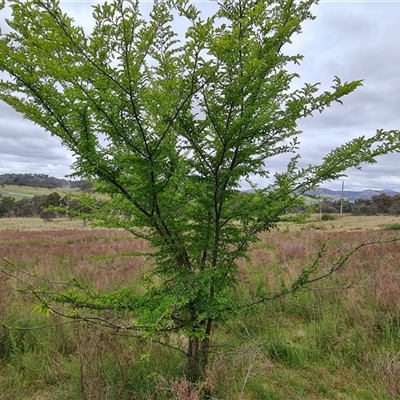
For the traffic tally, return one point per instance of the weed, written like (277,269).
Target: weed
(392,227)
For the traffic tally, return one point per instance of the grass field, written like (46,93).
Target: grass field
(346,223)
(38,224)
(20,192)
(339,339)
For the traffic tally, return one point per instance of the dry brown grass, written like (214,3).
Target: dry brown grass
(345,223)
(38,224)
(104,258)
(109,258)
(113,258)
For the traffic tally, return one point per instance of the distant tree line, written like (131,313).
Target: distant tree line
(46,207)
(32,207)
(380,204)
(54,205)
(42,181)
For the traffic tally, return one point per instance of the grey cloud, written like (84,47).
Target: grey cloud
(32,148)
(350,40)
(383,175)
(27,148)
(11,164)
(354,41)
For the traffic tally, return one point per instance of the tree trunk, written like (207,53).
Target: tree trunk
(198,353)
(193,363)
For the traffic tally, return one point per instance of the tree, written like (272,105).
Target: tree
(84,185)
(36,202)
(382,202)
(328,207)
(6,206)
(18,206)
(26,210)
(47,215)
(169,128)
(48,205)
(394,209)
(364,207)
(73,208)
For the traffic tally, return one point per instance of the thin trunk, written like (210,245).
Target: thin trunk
(198,354)
(193,363)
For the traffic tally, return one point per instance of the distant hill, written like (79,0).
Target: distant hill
(351,195)
(347,194)
(50,182)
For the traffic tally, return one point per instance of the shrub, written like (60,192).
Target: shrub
(328,217)
(393,227)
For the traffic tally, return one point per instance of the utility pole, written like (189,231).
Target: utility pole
(320,209)
(341,199)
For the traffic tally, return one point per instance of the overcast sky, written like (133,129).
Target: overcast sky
(353,40)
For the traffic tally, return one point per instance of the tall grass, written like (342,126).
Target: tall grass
(337,339)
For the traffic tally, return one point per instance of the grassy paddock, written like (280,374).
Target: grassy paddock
(339,339)
(342,223)
(20,192)
(345,223)
(38,224)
